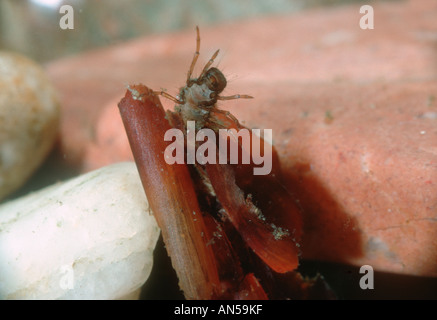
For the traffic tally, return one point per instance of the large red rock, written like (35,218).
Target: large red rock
(353,113)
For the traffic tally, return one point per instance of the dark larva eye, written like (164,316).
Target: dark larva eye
(215,80)
(212,81)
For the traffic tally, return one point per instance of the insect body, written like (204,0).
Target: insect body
(198,99)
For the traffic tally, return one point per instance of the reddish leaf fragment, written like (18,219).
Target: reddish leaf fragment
(274,245)
(261,209)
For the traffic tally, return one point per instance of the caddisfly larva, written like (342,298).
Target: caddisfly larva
(198,98)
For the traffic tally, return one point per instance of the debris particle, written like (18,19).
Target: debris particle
(279,233)
(328,117)
(430,101)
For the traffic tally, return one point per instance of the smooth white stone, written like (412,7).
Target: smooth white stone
(91,237)
(29,117)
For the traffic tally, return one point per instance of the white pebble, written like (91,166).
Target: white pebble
(91,237)
(29,116)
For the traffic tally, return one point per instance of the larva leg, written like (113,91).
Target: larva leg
(229,115)
(210,62)
(235,96)
(168,96)
(196,56)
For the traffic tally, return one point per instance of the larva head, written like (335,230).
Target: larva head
(215,80)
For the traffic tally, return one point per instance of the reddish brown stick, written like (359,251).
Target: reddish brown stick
(170,193)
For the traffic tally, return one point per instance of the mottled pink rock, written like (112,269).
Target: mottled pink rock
(353,113)
(362,159)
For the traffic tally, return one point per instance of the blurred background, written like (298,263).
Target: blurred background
(32,27)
